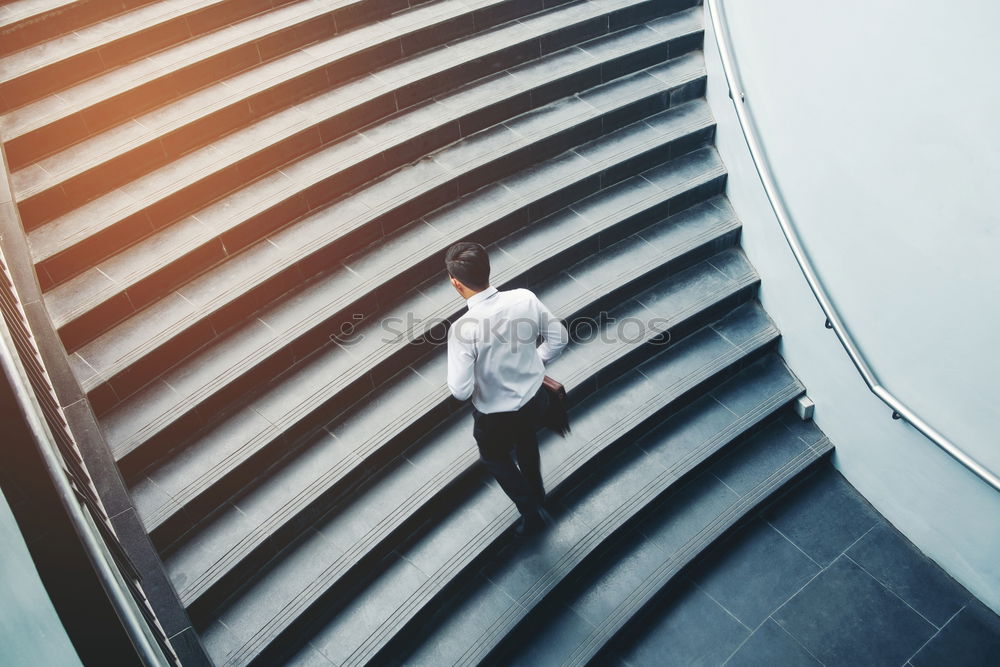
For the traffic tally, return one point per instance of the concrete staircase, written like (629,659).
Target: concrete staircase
(237,211)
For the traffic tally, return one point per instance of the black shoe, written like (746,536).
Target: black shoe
(529,525)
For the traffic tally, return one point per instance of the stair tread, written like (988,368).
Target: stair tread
(119,272)
(313,385)
(69,101)
(205,217)
(527,573)
(70,228)
(426,469)
(96,35)
(123,344)
(642,564)
(151,126)
(667,238)
(137,419)
(93,285)
(368,427)
(15,12)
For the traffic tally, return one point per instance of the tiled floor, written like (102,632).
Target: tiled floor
(818,578)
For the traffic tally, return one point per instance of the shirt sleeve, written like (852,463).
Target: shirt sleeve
(461,360)
(554,334)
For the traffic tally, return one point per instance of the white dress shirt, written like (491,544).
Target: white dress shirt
(492,353)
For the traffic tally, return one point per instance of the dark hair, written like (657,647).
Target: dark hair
(469,264)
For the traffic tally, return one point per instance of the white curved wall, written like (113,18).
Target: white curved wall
(880,125)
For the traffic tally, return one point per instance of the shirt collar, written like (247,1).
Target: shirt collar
(479,297)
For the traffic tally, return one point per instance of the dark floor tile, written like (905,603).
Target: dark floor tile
(365,517)
(676,175)
(970,639)
(616,200)
(770,645)
(492,141)
(754,573)
(886,555)
(845,617)
(297,477)
(216,451)
(823,515)
(617,262)
(690,629)
(533,178)
(590,418)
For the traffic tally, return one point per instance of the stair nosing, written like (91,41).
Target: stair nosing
(731,288)
(107,373)
(242,97)
(70,241)
(737,283)
(24,16)
(158,71)
(678,474)
(626,425)
(469,8)
(78,49)
(288,193)
(376,442)
(619,217)
(810,454)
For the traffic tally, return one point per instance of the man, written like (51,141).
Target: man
(493,359)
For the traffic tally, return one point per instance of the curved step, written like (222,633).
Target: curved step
(332,380)
(25,23)
(60,120)
(286,86)
(73,242)
(160,417)
(683,525)
(302,400)
(139,274)
(133,353)
(59,63)
(429,467)
(594,512)
(201,578)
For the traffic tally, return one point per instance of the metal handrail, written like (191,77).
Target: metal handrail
(833,321)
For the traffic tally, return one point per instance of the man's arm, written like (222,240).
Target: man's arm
(554,334)
(461,360)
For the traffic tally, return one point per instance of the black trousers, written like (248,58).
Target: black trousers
(508,446)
